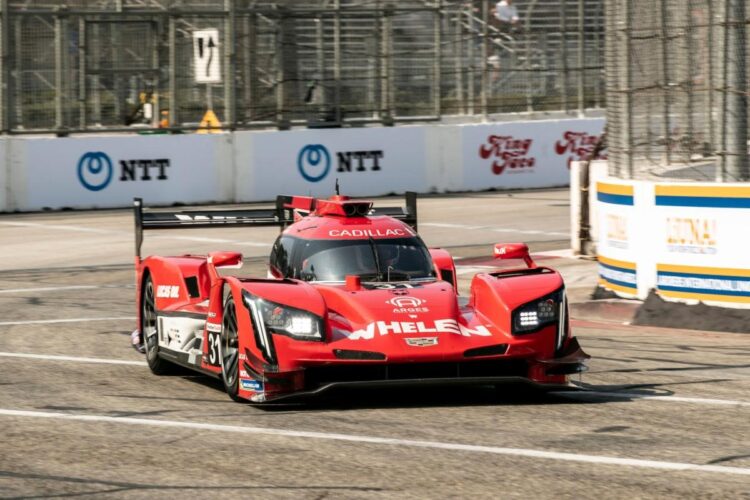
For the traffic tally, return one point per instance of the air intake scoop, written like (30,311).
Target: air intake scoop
(343,206)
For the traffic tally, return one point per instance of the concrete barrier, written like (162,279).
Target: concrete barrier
(687,241)
(108,171)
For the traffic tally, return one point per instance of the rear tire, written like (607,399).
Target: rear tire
(150,330)
(229,351)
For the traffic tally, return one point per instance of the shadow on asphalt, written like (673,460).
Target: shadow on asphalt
(515,394)
(510,394)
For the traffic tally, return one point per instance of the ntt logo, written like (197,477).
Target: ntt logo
(95,170)
(314,162)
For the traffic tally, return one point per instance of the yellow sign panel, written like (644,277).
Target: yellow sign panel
(210,123)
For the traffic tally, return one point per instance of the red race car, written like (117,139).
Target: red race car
(353,298)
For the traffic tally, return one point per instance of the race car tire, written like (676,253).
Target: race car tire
(229,352)
(150,330)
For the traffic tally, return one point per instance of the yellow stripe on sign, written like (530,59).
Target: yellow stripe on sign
(621,189)
(615,262)
(717,271)
(704,296)
(618,288)
(703,191)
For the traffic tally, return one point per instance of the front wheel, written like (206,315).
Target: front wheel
(229,352)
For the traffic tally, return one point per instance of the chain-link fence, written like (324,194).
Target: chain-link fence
(677,89)
(89,65)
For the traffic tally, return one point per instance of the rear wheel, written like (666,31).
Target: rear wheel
(229,352)
(150,329)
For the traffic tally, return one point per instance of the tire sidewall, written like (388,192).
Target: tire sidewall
(232,389)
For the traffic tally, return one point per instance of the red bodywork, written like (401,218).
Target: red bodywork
(373,333)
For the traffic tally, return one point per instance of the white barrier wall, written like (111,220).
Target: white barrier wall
(688,241)
(5,190)
(366,162)
(108,171)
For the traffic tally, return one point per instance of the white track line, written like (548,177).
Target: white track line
(515,452)
(635,395)
(127,234)
(71,320)
(491,228)
(60,227)
(57,288)
(71,358)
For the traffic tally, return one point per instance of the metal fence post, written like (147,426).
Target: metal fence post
(230,41)
(281,122)
(250,74)
(581,81)
(173,117)
(666,84)
(736,91)
(485,50)
(58,72)
(689,64)
(438,41)
(564,51)
(337,59)
(5,67)
(710,75)
(472,60)
(386,55)
(628,129)
(459,62)
(82,73)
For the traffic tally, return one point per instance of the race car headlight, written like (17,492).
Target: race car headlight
(285,320)
(537,314)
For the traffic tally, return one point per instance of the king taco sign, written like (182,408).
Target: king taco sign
(508,153)
(578,146)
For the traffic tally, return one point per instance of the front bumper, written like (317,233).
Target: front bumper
(317,379)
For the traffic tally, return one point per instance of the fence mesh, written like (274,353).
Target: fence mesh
(92,65)
(677,89)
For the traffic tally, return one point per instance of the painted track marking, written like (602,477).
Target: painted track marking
(126,234)
(76,359)
(496,450)
(71,320)
(59,288)
(635,395)
(492,228)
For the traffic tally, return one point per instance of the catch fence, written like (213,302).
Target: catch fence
(677,89)
(106,65)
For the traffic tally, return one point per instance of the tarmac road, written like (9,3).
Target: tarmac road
(666,414)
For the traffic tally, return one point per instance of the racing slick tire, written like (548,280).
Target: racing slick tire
(229,351)
(150,330)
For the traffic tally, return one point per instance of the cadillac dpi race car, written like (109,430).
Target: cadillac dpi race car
(353,298)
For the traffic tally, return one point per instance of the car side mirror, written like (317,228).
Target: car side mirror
(225,259)
(514,251)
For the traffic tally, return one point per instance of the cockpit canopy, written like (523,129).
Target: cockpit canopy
(383,259)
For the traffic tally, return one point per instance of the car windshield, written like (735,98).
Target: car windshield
(395,259)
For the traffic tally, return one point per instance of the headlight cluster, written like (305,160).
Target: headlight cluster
(541,312)
(284,320)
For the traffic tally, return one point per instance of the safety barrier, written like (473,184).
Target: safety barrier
(687,241)
(108,171)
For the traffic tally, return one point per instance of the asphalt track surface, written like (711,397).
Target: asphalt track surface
(666,413)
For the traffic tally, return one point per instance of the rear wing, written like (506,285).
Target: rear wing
(407,214)
(288,210)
